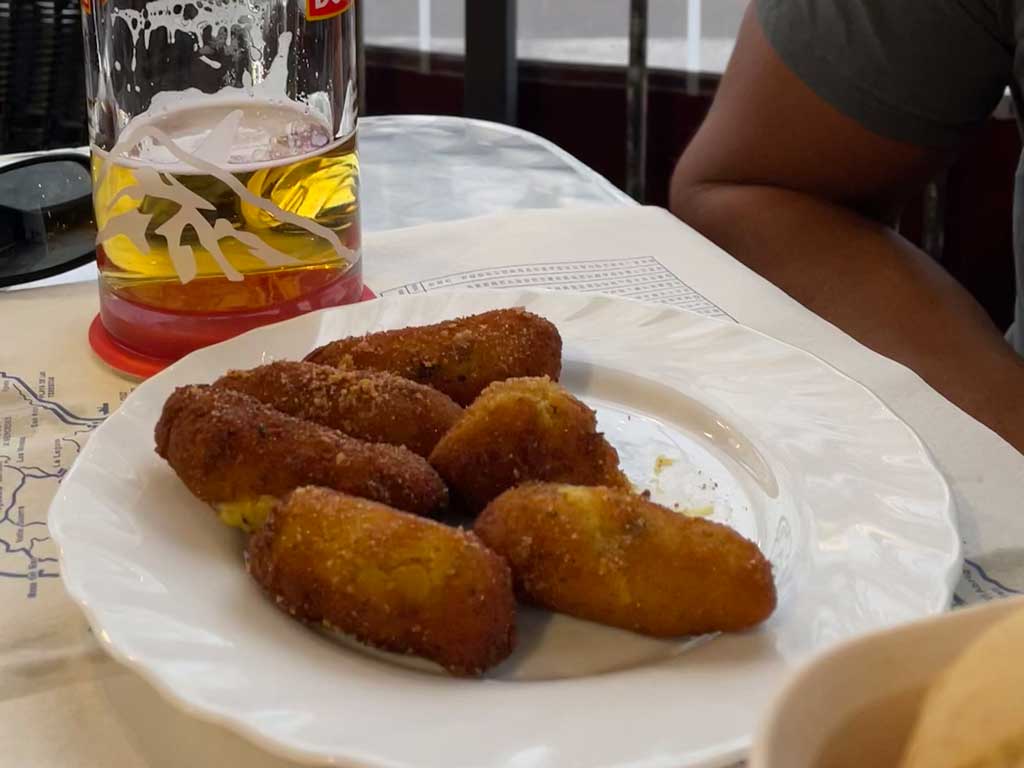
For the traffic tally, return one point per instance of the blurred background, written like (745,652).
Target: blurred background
(571,67)
(588,32)
(560,69)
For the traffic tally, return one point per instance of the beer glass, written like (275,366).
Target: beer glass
(224,164)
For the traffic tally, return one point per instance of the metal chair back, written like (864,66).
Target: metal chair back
(42,83)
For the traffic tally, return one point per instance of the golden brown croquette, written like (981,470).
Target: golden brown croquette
(229,447)
(393,580)
(370,405)
(521,430)
(458,357)
(613,557)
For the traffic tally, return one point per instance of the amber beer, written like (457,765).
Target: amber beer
(266,225)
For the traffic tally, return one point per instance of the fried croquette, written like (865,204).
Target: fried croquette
(613,557)
(229,447)
(370,405)
(458,357)
(521,430)
(393,580)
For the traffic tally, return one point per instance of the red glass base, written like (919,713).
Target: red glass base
(182,333)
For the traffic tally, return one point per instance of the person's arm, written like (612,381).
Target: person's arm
(803,195)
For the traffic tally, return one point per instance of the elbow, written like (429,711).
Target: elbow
(681,192)
(691,198)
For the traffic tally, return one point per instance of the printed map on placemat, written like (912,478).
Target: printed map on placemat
(39,440)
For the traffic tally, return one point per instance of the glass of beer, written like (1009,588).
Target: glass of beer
(225,172)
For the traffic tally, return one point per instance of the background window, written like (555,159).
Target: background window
(571,31)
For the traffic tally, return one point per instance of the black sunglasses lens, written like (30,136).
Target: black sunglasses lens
(46,219)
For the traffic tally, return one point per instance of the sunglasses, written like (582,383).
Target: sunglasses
(47,224)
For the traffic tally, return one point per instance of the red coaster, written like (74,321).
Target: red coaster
(134,364)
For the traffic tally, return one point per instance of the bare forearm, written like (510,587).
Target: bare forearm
(872,283)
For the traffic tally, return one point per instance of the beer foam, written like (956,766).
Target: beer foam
(193,18)
(271,86)
(238,134)
(224,21)
(238,127)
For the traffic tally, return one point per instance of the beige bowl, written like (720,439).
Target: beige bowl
(854,705)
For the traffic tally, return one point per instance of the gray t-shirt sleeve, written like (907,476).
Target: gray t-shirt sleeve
(920,71)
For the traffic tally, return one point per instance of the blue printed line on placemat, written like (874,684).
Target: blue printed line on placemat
(976,584)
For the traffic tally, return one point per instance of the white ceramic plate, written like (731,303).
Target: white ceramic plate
(838,492)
